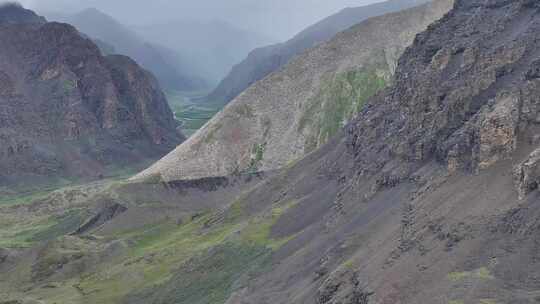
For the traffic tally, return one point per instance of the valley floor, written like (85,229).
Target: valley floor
(191,113)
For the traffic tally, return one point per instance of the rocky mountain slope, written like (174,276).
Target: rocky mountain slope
(292,112)
(430,195)
(263,61)
(65,110)
(169,67)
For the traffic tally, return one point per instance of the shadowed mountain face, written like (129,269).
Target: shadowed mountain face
(294,111)
(65,110)
(263,61)
(168,66)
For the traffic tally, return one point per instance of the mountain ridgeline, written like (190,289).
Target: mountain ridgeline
(294,111)
(263,61)
(169,67)
(66,110)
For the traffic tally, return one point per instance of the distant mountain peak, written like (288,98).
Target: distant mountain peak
(15,13)
(97,15)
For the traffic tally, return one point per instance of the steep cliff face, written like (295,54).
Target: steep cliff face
(296,110)
(472,98)
(65,110)
(266,60)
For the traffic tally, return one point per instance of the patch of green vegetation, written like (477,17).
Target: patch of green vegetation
(223,258)
(458,276)
(21,233)
(211,134)
(191,115)
(244,110)
(236,210)
(481,273)
(488,301)
(455,302)
(201,259)
(198,261)
(65,224)
(257,154)
(338,100)
(25,194)
(68,86)
(157,251)
(484,274)
(208,278)
(60,208)
(24,198)
(349,264)
(25,232)
(258,230)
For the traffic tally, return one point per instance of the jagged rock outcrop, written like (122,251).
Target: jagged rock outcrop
(292,112)
(527,175)
(65,110)
(266,60)
(471,98)
(343,287)
(106,211)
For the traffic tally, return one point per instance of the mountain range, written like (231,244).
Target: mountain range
(265,60)
(297,109)
(429,193)
(168,65)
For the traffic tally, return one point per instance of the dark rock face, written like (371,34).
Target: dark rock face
(527,174)
(107,211)
(343,287)
(67,110)
(263,61)
(464,94)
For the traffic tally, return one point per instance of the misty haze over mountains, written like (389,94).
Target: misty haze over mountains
(184,55)
(189,45)
(280,19)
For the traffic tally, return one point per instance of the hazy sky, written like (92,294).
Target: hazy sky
(278,18)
